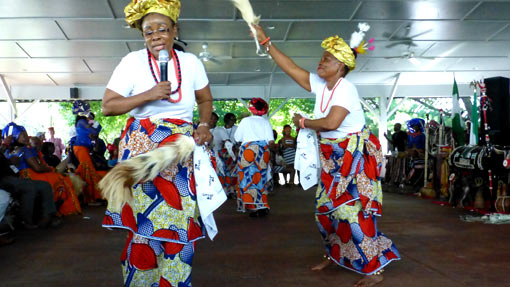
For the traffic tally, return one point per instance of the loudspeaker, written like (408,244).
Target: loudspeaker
(73,92)
(498,117)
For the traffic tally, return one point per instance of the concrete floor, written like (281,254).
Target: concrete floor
(437,249)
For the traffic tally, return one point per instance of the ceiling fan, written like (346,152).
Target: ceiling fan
(411,56)
(407,39)
(207,56)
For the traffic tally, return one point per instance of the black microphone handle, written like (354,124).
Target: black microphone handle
(163,68)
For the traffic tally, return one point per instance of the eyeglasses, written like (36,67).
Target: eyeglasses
(149,33)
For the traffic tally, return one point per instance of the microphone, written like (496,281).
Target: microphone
(163,65)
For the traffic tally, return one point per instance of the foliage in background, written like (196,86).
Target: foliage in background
(112,126)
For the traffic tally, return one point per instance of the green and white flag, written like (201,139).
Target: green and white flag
(473,135)
(458,125)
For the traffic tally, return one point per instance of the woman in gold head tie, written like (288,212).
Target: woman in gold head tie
(161,215)
(349,195)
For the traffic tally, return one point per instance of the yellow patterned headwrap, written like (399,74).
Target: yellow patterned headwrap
(341,50)
(135,10)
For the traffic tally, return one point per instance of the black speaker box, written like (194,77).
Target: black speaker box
(498,117)
(73,92)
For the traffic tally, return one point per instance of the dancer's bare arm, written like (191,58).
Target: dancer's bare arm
(115,104)
(204,102)
(298,74)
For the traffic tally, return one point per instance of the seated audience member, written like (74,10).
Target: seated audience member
(5,199)
(48,152)
(32,166)
(32,194)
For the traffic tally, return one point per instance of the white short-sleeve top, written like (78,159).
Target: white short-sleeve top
(346,96)
(133,76)
(254,128)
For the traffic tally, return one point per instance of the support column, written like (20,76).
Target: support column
(383,122)
(12,104)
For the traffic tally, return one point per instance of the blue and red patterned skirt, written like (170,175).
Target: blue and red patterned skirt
(163,221)
(348,201)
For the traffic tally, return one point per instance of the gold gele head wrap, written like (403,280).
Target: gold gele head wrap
(341,50)
(135,10)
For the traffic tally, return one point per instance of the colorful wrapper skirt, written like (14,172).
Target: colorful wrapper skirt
(63,191)
(227,175)
(348,201)
(163,221)
(89,174)
(253,175)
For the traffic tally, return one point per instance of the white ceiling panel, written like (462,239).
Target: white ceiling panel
(98,29)
(28,29)
(305,9)
(11,50)
(368,78)
(398,48)
(503,35)
(249,79)
(55,8)
(282,79)
(321,30)
(21,79)
(397,65)
(42,66)
(491,10)
(193,30)
(449,30)
(415,10)
(102,64)
(241,65)
(60,48)
(84,79)
(484,64)
(216,49)
(469,49)
(81,42)
(135,46)
(217,79)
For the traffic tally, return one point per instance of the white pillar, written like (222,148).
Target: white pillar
(383,122)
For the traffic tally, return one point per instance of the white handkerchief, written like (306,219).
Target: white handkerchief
(307,158)
(229,145)
(210,194)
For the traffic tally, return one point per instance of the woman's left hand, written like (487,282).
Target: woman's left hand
(296,119)
(203,135)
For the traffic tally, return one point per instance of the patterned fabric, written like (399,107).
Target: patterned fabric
(164,220)
(348,200)
(227,175)
(89,174)
(253,174)
(64,195)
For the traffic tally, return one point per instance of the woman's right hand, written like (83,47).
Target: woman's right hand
(161,91)
(261,35)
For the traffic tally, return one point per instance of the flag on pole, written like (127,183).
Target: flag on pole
(473,135)
(458,125)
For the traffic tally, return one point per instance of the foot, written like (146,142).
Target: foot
(263,212)
(369,281)
(322,265)
(253,214)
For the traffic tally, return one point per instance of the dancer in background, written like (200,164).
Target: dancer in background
(349,196)
(161,215)
(256,136)
(86,130)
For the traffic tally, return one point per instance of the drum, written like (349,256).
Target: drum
(467,157)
